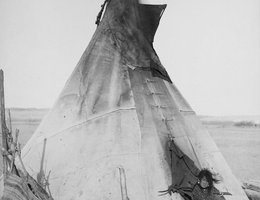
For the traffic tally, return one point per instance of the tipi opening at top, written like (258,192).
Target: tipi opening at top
(120,129)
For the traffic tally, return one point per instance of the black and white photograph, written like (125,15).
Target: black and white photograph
(129,100)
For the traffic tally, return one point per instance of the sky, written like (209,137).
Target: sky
(210,48)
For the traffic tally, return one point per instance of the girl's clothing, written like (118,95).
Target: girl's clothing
(199,193)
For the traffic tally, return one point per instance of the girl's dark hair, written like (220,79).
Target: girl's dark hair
(209,176)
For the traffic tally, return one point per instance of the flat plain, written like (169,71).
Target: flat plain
(238,138)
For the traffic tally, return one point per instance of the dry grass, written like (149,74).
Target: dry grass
(240,147)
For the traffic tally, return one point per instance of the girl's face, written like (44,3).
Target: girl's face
(204,182)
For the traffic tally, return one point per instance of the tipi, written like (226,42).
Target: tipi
(106,137)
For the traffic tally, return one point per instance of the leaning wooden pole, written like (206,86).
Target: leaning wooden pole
(2,122)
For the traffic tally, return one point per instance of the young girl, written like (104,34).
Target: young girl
(204,189)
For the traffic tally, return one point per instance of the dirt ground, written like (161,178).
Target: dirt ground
(239,145)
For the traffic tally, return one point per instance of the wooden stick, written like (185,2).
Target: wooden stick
(41,174)
(20,159)
(14,148)
(10,121)
(3,124)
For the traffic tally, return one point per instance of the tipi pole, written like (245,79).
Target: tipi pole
(3,124)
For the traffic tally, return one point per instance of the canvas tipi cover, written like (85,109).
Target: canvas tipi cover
(106,137)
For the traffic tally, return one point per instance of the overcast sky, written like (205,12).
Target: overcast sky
(210,48)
